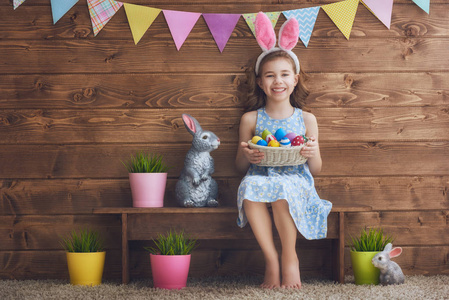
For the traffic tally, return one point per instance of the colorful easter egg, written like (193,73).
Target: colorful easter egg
(262,142)
(273,143)
(291,136)
(298,141)
(270,138)
(280,133)
(265,133)
(285,142)
(255,139)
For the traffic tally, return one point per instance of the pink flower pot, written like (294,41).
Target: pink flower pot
(148,189)
(170,271)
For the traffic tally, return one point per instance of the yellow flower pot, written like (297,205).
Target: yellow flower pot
(364,270)
(86,268)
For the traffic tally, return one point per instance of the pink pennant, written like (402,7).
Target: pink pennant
(180,24)
(382,9)
(221,27)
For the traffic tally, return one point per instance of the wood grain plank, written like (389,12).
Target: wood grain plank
(23,22)
(157,126)
(68,196)
(119,91)
(342,159)
(409,228)
(101,56)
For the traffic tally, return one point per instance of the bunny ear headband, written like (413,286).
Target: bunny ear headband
(266,38)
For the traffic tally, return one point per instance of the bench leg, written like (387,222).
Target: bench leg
(341,248)
(125,249)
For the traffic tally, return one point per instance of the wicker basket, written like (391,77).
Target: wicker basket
(279,156)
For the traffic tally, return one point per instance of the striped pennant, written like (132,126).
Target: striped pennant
(101,11)
(306,18)
(17,3)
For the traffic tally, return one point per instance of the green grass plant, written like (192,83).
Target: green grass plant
(173,243)
(146,163)
(372,239)
(84,240)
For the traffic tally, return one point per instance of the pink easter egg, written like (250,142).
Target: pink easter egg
(290,136)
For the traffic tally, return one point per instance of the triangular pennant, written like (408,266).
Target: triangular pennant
(140,19)
(251,18)
(382,9)
(17,3)
(306,18)
(101,11)
(180,24)
(342,14)
(59,8)
(424,4)
(221,27)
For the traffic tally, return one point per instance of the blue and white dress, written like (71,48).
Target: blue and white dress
(292,183)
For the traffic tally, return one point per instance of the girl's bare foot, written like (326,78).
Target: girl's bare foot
(290,272)
(272,276)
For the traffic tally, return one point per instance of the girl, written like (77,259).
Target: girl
(276,102)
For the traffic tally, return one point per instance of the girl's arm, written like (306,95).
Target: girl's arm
(245,155)
(312,149)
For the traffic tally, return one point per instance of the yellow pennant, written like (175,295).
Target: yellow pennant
(140,19)
(342,14)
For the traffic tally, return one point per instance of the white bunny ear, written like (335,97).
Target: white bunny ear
(289,34)
(265,36)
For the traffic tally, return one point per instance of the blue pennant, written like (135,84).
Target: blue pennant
(60,7)
(306,18)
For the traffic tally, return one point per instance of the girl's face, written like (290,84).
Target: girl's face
(278,79)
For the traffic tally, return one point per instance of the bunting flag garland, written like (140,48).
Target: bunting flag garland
(221,26)
(382,9)
(17,3)
(251,18)
(59,8)
(140,19)
(424,4)
(180,24)
(101,11)
(306,18)
(342,14)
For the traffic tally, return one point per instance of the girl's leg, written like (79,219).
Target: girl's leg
(287,232)
(260,221)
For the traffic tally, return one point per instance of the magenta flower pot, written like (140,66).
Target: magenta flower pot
(148,189)
(170,271)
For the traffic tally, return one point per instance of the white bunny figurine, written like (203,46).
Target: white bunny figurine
(390,272)
(196,187)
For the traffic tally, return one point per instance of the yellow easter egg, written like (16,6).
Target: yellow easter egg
(273,143)
(255,139)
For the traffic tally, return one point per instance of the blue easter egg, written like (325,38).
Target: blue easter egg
(280,134)
(262,143)
(285,142)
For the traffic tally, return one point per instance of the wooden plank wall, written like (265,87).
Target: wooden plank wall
(74,105)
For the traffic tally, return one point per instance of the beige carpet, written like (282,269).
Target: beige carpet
(416,287)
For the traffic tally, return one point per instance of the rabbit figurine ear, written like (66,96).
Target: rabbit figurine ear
(395,252)
(289,34)
(191,124)
(265,36)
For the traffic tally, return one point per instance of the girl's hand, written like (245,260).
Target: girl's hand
(254,156)
(311,148)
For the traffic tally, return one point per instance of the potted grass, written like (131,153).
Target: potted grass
(364,247)
(85,256)
(147,178)
(170,259)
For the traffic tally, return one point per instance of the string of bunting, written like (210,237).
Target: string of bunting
(221,26)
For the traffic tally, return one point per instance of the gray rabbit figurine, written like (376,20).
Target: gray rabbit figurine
(196,187)
(390,272)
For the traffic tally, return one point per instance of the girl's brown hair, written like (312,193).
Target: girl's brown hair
(256,96)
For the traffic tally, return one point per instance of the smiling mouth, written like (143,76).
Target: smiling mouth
(278,90)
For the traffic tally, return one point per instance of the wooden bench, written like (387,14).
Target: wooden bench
(138,224)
